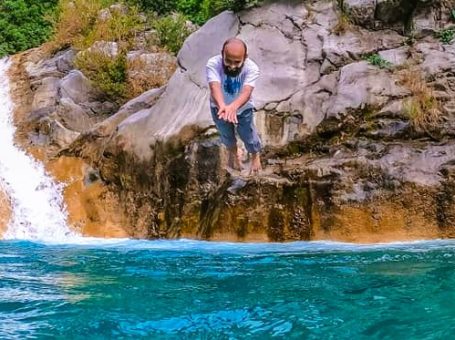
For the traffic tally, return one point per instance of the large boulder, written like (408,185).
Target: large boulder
(78,88)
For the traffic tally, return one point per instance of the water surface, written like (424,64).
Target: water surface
(186,289)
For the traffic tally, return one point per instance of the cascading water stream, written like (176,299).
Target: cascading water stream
(38,209)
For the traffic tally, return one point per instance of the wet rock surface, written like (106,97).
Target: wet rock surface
(5,211)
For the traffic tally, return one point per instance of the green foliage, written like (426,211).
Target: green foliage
(172,31)
(161,7)
(109,74)
(446,35)
(453,14)
(198,11)
(192,9)
(23,24)
(377,60)
(119,27)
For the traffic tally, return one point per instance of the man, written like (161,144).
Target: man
(232,77)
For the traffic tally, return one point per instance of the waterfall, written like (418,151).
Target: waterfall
(38,209)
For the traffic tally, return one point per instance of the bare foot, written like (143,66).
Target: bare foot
(255,167)
(234,159)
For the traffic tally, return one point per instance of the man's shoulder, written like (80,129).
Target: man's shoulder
(215,60)
(251,64)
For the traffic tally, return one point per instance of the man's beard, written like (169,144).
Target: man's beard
(232,72)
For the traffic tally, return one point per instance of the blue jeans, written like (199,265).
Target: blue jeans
(245,129)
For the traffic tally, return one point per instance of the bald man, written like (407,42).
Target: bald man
(232,77)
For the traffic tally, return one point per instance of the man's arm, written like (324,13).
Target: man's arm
(214,80)
(243,98)
(217,94)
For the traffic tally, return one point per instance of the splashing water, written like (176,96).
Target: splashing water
(38,210)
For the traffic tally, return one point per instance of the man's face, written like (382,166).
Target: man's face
(233,60)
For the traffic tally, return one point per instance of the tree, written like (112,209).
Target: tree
(23,24)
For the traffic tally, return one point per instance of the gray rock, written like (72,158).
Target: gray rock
(236,185)
(312,40)
(392,109)
(42,69)
(60,135)
(78,88)
(396,56)
(184,104)
(436,59)
(292,69)
(270,106)
(104,15)
(99,108)
(353,45)
(361,12)
(108,48)
(417,165)
(361,84)
(46,93)
(73,115)
(142,103)
(65,60)
(287,16)
(324,14)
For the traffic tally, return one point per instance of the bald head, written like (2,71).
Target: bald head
(235,47)
(234,53)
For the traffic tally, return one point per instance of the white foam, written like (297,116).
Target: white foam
(38,209)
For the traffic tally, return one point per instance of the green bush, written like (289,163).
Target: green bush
(172,31)
(377,60)
(23,24)
(192,10)
(198,11)
(161,7)
(119,27)
(446,35)
(108,74)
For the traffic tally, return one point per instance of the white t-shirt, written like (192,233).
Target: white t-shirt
(232,86)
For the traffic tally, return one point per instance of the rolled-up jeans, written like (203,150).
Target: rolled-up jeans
(245,128)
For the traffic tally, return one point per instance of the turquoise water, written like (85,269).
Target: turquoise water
(187,290)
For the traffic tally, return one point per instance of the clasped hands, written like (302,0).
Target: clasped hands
(228,113)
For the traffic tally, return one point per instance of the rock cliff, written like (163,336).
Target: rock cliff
(355,107)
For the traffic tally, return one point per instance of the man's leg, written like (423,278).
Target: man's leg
(227,136)
(248,133)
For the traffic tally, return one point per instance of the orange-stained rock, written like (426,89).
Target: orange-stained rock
(379,222)
(91,208)
(5,211)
